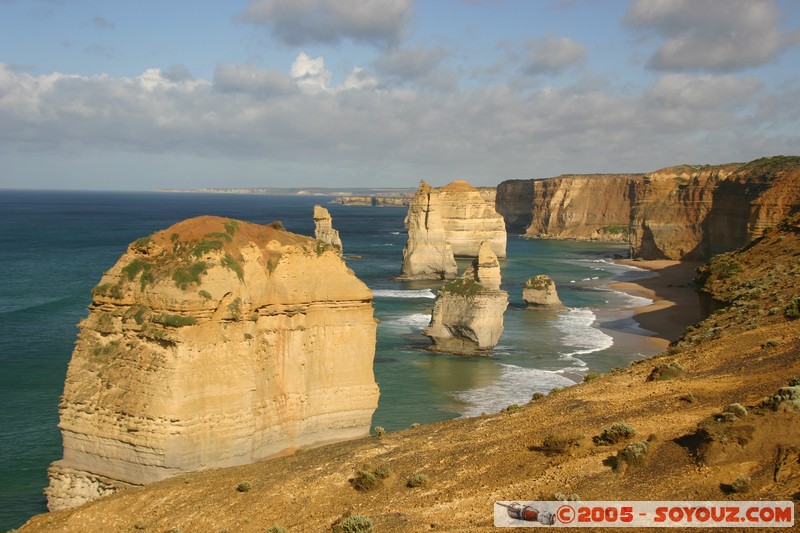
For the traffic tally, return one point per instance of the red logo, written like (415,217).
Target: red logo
(565,514)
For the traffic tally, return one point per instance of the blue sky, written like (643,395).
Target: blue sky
(259,93)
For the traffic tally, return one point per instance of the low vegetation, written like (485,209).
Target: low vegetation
(615,433)
(463,287)
(417,480)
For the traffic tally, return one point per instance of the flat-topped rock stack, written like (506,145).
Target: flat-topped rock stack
(213,343)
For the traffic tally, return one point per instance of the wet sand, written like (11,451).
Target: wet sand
(675,304)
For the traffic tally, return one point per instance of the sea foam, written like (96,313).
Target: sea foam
(389,293)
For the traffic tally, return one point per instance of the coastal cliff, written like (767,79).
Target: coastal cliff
(469,219)
(467,316)
(323,228)
(428,254)
(705,412)
(378,201)
(685,212)
(446,222)
(213,343)
(540,292)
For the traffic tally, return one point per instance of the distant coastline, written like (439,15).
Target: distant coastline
(300,191)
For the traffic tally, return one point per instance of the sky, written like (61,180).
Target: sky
(140,95)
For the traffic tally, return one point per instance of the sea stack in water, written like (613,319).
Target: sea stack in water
(469,220)
(323,230)
(540,292)
(213,343)
(468,313)
(427,255)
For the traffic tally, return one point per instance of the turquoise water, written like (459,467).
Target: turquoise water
(56,245)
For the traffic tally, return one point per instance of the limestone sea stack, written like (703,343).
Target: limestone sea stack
(428,254)
(540,292)
(467,316)
(446,222)
(470,219)
(213,343)
(323,230)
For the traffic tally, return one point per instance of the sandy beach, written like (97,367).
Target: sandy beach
(675,305)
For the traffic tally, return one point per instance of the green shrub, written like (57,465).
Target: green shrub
(203,247)
(561,497)
(689,397)
(736,409)
(175,321)
(559,442)
(185,276)
(463,287)
(365,481)
(414,425)
(537,396)
(616,230)
(417,480)
(356,524)
(792,309)
(235,308)
(231,264)
(244,486)
(205,295)
(218,235)
(134,267)
(590,376)
(383,472)
(231,226)
(513,408)
(795,381)
(633,454)
(666,371)
(741,484)
(379,431)
(277,528)
(786,396)
(615,433)
(140,245)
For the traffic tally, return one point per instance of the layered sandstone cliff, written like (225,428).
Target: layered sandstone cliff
(679,213)
(540,292)
(446,222)
(467,316)
(323,229)
(590,207)
(428,254)
(213,343)
(469,219)
(379,201)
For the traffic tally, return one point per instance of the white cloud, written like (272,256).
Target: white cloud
(711,35)
(417,64)
(301,22)
(364,131)
(310,74)
(551,55)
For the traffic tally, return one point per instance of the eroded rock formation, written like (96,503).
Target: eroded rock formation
(467,316)
(678,213)
(428,254)
(539,292)
(446,222)
(324,228)
(469,219)
(213,343)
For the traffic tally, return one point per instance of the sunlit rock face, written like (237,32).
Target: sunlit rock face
(467,316)
(213,343)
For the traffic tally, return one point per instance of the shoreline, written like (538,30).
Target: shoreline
(674,304)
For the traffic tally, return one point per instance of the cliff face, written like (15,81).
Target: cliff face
(678,213)
(469,220)
(380,201)
(428,254)
(446,222)
(467,316)
(514,201)
(323,230)
(213,343)
(591,207)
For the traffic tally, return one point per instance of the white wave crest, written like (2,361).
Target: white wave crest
(416,321)
(579,335)
(389,293)
(515,385)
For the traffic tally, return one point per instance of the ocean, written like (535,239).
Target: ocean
(55,246)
